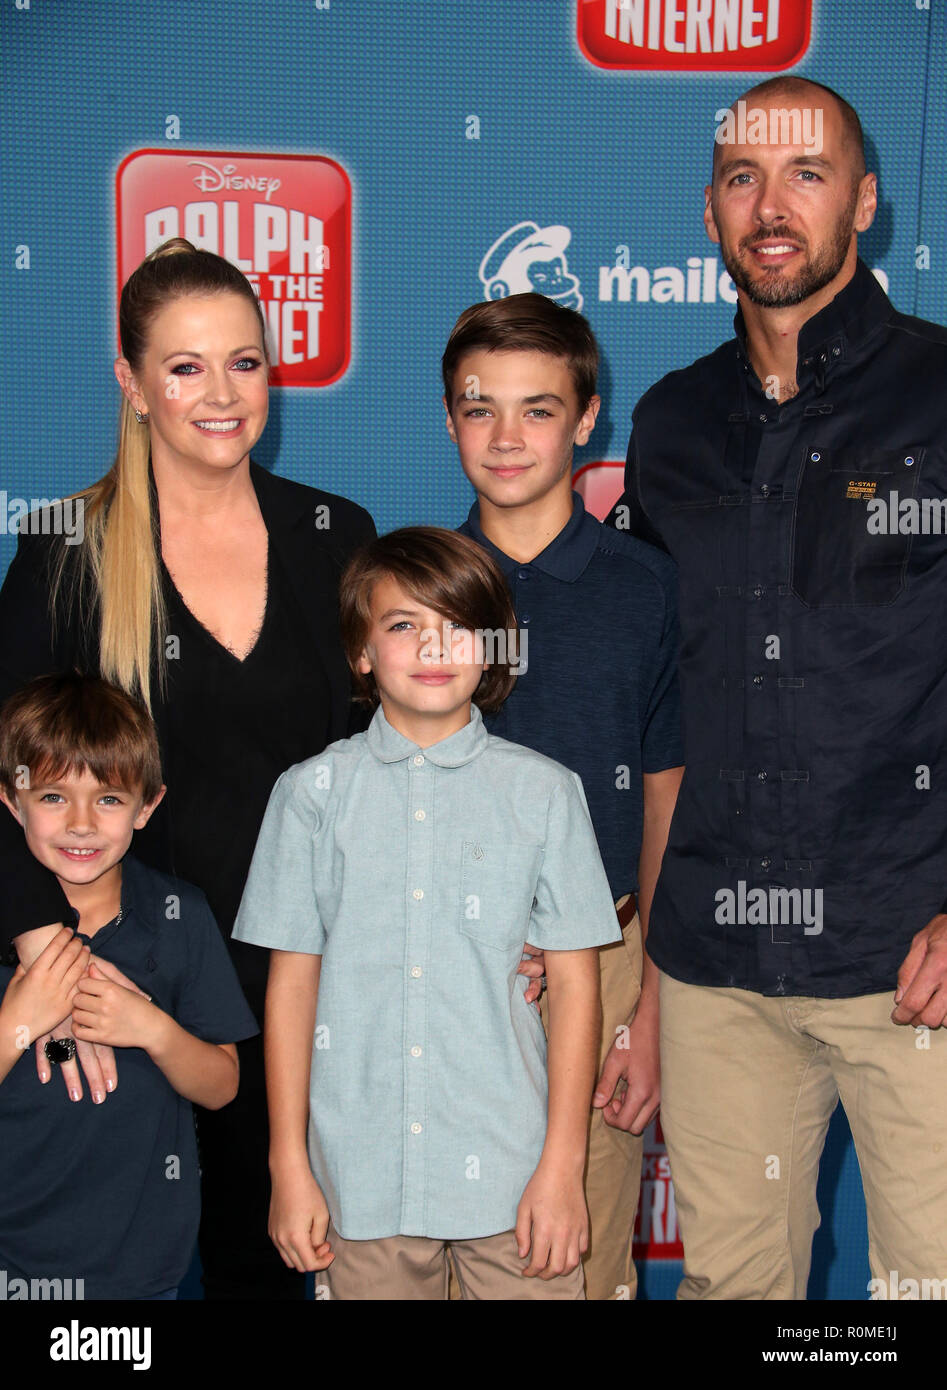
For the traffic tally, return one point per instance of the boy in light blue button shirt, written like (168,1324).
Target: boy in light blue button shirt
(396,879)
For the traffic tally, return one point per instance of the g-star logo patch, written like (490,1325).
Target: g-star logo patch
(861,488)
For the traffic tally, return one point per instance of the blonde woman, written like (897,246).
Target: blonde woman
(205,586)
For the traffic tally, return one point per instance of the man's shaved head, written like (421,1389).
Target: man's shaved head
(802,90)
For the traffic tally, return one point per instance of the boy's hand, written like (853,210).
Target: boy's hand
(110,1013)
(39,998)
(552,1222)
(299,1219)
(97,1059)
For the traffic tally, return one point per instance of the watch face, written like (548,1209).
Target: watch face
(59,1050)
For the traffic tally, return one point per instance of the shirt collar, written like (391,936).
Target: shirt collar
(567,555)
(391,747)
(134,898)
(830,336)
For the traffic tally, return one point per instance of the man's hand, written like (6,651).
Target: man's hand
(299,1220)
(535,969)
(921,996)
(552,1222)
(633,1058)
(97,1059)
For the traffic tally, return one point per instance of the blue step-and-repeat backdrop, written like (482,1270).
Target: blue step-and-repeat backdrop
(377,165)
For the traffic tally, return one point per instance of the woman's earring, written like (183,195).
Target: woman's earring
(142,419)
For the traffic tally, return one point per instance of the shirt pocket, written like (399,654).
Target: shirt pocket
(498,887)
(842,551)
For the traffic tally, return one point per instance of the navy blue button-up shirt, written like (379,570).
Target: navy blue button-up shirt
(809,843)
(599,692)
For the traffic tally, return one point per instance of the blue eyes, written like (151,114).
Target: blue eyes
(242,364)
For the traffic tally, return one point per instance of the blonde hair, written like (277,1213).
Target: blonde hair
(119,556)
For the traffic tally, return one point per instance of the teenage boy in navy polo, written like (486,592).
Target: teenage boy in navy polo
(599,689)
(394,865)
(107,1196)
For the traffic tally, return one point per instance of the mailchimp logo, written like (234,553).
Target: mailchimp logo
(529,257)
(285,220)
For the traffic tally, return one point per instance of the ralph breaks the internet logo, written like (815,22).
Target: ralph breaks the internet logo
(694,35)
(285,220)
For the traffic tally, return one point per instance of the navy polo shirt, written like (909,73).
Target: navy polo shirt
(110,1193)
(599,692)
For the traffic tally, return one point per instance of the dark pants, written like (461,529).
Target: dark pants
(238,1258)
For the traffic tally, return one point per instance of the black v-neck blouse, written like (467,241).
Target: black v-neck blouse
(234,727)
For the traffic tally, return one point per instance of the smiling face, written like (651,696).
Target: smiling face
(516,437)
(79,828)
(426,666)
(785,217)
(202,382)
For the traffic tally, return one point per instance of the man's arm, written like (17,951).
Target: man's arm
(634,1054)
(552,1222)
(299,1217)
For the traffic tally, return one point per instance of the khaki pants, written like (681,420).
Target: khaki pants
(749,1084)
(613,1167)
(413,1267)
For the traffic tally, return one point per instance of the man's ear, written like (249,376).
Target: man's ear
(867,204)
(12,806)
(709,221)
(144,815)
(449,420)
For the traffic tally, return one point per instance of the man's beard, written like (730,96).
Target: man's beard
(778,290)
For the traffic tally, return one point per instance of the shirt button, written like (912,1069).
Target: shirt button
(764,490)
(418,894)
(415,1052)
(761,775)
(419,815)
(765,862)
(522,574)
(416,972)
(758,591)
(524,619)
(418,759)
(764,419)
(758,680)
(416,1128)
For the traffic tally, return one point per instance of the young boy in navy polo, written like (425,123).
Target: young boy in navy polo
(599,691)
(106,1198)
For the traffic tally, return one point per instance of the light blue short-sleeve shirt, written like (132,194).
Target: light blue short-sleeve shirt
(417,874)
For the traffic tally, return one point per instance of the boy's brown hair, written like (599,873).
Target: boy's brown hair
(524,323)
(445,571)
(70,723)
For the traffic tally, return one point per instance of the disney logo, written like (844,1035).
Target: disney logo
(212,180)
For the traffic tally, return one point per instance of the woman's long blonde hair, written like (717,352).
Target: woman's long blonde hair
(119,556)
